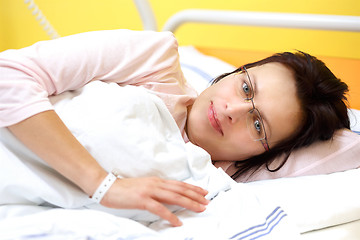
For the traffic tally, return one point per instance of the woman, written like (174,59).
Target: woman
(254,113)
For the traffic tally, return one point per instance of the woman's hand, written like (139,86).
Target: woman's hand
(47,136)
(152,193)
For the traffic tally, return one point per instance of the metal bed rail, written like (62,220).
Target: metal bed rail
(245,18)
(265,19)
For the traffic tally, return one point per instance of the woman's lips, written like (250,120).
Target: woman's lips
(214,121)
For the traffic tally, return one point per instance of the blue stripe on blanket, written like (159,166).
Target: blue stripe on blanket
(200,72)
(357,132)
(264,229)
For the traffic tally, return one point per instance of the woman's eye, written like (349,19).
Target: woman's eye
(246,88)
(257,126)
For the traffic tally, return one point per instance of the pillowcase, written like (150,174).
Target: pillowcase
(339,154)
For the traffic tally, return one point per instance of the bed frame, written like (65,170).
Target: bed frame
(343,67)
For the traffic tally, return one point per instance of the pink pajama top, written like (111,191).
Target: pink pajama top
(143,58)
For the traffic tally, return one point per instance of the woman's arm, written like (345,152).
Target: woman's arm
(28,76)
(47,136)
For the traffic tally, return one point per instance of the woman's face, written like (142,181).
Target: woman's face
(217,120)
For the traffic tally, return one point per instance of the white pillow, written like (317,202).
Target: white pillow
(354,116)
(200,69)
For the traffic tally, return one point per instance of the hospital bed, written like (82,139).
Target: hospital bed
(333,215)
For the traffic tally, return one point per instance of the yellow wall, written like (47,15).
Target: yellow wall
(18,27)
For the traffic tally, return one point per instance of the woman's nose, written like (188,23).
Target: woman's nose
(237,110)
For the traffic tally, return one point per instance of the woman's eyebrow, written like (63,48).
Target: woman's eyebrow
(263,116)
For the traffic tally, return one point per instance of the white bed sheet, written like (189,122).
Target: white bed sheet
(154,146)
(234,214)
(318,201)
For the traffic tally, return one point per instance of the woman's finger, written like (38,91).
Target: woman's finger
(189,186)
(189,191)
(160,210)
(174,198)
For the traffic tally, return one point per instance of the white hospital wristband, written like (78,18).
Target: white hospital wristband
(104,187)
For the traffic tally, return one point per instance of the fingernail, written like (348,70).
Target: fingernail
(205,202)
(178,224)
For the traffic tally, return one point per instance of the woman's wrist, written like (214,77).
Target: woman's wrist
(91,179)
(104,187)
